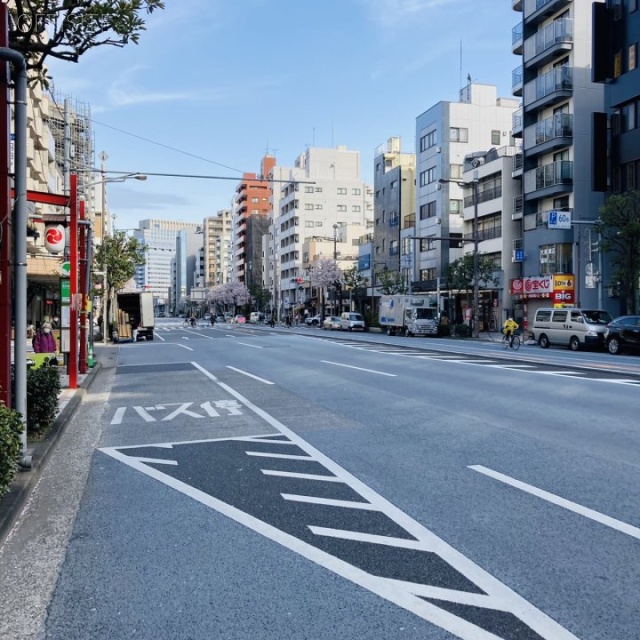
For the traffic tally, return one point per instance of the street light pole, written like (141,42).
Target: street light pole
(476,262)
(335,262)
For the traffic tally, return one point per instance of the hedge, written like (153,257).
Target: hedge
(10,429)
(43,389)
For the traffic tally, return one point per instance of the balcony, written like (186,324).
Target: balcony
(536,11)
(516,5)
(516,81)
(484,196)
(549,88)
(548,180)
(516,39)
(548,43)
(516,124)
(518,208)
(551,133)
(518,163)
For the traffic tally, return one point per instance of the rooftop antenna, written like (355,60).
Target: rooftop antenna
(461,63)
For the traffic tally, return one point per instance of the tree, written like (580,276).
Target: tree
(620,231)
(325,274)
(121,254)
(66,29)
(459,274)
(260,295)
(391,282)
(354,282)
(230,293)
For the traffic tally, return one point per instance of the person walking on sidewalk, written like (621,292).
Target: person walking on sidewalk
(43,341)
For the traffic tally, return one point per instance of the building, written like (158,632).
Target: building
(159,237)
(218,232)
(394,211)
(556,125)
(252,198)
(445,134)
(186,265)
(322,189)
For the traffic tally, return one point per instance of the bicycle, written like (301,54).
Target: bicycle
(514,342)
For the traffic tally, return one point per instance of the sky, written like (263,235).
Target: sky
(213,85)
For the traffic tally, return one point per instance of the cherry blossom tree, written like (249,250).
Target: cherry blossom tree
(230,293)
(324,275)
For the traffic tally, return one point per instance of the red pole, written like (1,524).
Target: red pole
(6,231)
(83,292)
(72,364)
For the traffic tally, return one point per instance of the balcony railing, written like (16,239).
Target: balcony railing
(558,79)
(518,207)
(516,39)
(484,196)
(518,162)
(549,175)
(516,81)
(558,32)
(516,121)
(559,125)
(485,234)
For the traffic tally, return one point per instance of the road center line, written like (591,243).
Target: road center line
(618,525)
(348,366)
(250,375)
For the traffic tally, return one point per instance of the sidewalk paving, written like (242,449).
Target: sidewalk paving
(13,502)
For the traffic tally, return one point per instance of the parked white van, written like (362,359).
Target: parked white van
(572,327)
(350,321)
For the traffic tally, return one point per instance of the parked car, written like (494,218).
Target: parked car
(207,316)
(313,321)
(623,334)
(572,327)
(239,319)
(221,319)
(332,323)
(350,321)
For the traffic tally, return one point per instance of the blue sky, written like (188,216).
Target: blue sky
(225,81)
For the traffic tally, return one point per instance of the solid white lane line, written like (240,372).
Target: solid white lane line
(329,502)
(618,525)
(185,347)
(254,346)
(512,366)
(562,373)
(300,476)
(250,375)
(348,366)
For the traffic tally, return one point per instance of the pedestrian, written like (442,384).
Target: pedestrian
(135,323)
(272,320)
(55,322)
(213,319)
(44,341)
(287,321)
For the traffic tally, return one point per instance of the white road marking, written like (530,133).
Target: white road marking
(330,502)
(562,373)
(618,525)
(282,456)
(512,366)
(157,335)
(254,346)
(185,337)
(246,373)
(159,461)
(348,366)
(119,414)
(184,346)
(499,596)
(299,476)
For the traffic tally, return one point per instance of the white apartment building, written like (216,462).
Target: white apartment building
(218,235)
(445,134)
(322,189)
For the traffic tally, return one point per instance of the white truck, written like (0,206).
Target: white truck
(407,315)
(134,309)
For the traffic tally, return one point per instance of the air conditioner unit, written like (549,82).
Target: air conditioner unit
(438,220)
(438,149)
(438,186)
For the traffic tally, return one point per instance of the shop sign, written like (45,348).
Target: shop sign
(532,287)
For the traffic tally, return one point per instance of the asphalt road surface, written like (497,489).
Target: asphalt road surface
(241,482)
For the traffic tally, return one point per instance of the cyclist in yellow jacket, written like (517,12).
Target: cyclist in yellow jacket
(509,327)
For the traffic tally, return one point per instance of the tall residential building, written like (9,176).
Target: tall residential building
(159,236)
(322,189)
(186,264)
(556,124)
(252,198)
(394,210)
(218,232)
(445,134)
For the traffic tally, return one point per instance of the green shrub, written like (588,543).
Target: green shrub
(463,330)
(43,389)
(10,429)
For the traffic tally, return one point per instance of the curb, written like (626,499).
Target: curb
(20,490)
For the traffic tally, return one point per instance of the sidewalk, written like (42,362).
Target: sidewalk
(12,503)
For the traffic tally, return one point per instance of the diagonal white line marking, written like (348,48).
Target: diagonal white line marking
(157,335)
(253,346)
(283,456)
(250,375)
(300,476)
(348,366)
(562,373)
(343,534)
(330,502)
(185,347)
(512,366)
(158,461)
(618,525)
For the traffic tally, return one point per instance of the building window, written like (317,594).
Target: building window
(427,210)
(632,56)
(342,191)
(428,140)
(356,192)
(617,64)
(428,274)
(631,176)
(394,184)
(341,207)
(308,207)
(356,208)
(555,258)
(495,137)
(455,207)
(617,9)
(318,224)
(308,189)
(628,113)
(255,200)
(428,176)
(309,223)
(633,5)
(458,134)
(394,247)
(455,171)
(427,244)
(318,189)
(394,219)
(318,206)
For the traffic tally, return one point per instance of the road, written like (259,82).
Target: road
(248,482)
